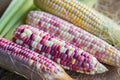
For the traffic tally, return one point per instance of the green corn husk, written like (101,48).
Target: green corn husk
(15,18)
(20,21)
(11,10)
(89,3)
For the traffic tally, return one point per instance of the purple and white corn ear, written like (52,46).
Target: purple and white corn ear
(29,64)
(84,17)
(65,54)
(62,29)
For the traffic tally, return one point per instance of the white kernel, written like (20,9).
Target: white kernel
(34,44)
(49,56)
(63,50)
(48,44)
(40,46)
(38,39)
(38,33)
(23,35)
(26,46)
(58,61)
(31,62)
(51,43)
(71,50)
(70,53)
(43,34)
(33,49)
(42,24)
(38,66)
(94,61)
(80,51)
(43,53)
(19,41)
(93,52)
(61,43)
(85,48)
(71,37)
(28,32)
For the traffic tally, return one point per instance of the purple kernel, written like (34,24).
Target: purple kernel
(67,51)
(86,65)
(70,59)
(52,52)
(65,63)
(52,57)
(74,40)
(80,64)
(37,50)
(20,30)
(55,59)
(61,62)
(32,37)
(90,66)
(43,41)
(76,62)
(58,55)
(74,68)
(39,23)
(70,66)
(76,55)
(26,40)
(58,48)
(53,46)
(43,48)
(63,56)
(18,34)
(48,50)
(81,58)
(82,54)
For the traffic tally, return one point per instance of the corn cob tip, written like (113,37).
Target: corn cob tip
(101,68)
(63,76)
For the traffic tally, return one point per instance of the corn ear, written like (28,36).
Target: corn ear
(74,35)
(84,17)
(29,64)
(65,54)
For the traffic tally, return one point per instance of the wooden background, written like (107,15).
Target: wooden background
(107,7)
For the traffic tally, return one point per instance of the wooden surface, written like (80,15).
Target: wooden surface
(112,74)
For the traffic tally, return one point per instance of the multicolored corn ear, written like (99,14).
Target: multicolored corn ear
(84,17)
(74,35)
(29,64)
(65,54)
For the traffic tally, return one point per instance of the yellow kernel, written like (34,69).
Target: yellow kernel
(73,61)
(111,51)
(108,61)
